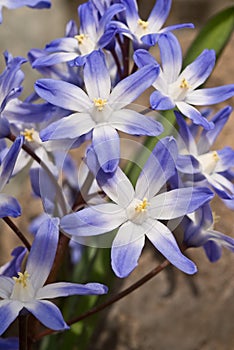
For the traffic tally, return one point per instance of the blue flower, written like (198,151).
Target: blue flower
(9,205)
(146,33)
(200,165)
(13,4)
(11,268)
(199,232)
(9,343)
(179,89)
(100,110)
(93,35)
(28,290)
(139,213)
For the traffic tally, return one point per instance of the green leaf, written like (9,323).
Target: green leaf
(214,35)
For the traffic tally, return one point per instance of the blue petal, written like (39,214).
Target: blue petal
(159,13)
(159,101)
(159,167)
(48,314)
(210,96)
(193,114)
(63,94)
(64,289)
(9,310)
(96,76)
(143,57)
(171,56)
(134,123)
(12,268)
(94,220)
(42,253)
(9,206)
(164,241)
(126,248)
(187,140)
(9,161)
(106,145)
(128,89)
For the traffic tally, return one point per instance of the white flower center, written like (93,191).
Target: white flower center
(179,89)
(22,290)
(31,135)
(101,110)
(86,45)
(137,210)
(208,162)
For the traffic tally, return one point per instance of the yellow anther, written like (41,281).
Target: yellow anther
(100,103)
(28,134)
(143,24)
(142,206)
(215,156)
(80,38)
(184,84)
(22,279)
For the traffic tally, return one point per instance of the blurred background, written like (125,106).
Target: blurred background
(147,319)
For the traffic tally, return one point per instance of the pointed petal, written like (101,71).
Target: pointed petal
(9,310)
(186,138)
(9,160)
(159,167)
(159,14)
(171,56)
(96,76)
(178,202)
(63,94)
(164,241)
(143,57)
(126,248)
(94,220)
(64,289)
(199,70)
(193,114)
(9,206)
(106,145)
(48,314)
(161,102)
(210,96)
(134,123)
(70,127)
(42,254)
(6,286)
(54,58)
(128,89)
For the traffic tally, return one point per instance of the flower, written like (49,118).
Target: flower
(179,89)
(139,213)
(147,33)
(28,290)
(199,232)
(99,111)
(200,165)
(12,4)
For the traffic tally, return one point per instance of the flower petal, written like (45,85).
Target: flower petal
(96,76)
(164,241)
(9,206)
(178,202)
(9,310)
(63,94)
(134,123)
(42,253)
(128,89)
(126,248)
(63,289)
(210,96)
(159,101)
(106,145)
(48,314)
(94,220)
(70,127)
(159,14)
(6,286)
(193,114)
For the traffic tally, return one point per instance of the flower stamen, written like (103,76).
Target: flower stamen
(22,279)
(142,206)
(80,38)
(100,103)
(184,84)
(143,24)
(28,134)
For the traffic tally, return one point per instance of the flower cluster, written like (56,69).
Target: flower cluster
(90,79)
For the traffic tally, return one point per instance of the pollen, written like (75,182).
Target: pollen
(184,84)
(143,24)
(80,38)
(28,134)
(142,206)
(100,103)
(22,279)
(215,156)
